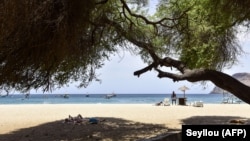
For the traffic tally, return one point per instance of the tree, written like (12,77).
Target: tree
(206,43)
(49,43)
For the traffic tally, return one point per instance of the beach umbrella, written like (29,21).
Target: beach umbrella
(183,88)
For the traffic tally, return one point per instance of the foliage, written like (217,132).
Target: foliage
(46,44)
(203,37)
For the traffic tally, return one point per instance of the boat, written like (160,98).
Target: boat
(108,96)
(65,96)
(87,95)
(3,95)
(27,95)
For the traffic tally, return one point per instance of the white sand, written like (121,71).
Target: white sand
(14,117)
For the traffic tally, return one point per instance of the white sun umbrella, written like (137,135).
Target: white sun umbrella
(183,88)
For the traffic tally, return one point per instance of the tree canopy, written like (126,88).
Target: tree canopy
(46,44)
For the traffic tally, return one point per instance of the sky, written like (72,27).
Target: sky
(117,76)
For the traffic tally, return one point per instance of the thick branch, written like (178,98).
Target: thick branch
(189,75)
(174,77)
(220,79)
(148,68)
(169,62)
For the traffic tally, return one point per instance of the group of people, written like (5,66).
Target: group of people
(80,120)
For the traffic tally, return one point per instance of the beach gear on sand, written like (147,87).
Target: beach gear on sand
(79,119)
(198,104)
(93,120)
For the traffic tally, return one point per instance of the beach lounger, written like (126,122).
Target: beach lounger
(198,104)
(166,102)
(225,100)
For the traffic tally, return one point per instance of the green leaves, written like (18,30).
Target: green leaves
(48,43)
(204,34)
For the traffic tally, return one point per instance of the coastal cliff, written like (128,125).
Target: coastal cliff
(242,77)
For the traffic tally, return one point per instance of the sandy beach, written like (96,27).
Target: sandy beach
(118,121)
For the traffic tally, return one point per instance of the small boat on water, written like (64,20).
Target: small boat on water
(108,96)
(27,95)
(65,96)
(3,95)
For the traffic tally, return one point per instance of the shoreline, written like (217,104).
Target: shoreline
(17,117)
(100,98)
(152,104)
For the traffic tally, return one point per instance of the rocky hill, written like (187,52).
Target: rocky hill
(242,77)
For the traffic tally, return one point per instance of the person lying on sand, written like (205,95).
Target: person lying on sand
(76,120)
(79,120)
(158,104)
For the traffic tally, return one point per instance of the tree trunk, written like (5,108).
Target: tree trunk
(230,84)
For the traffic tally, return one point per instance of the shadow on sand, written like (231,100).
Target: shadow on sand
(214,120)
(112,129)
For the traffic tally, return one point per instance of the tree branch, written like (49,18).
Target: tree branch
(169,62)
(159,22)
(130,37)
(220,79)
(148,68)
(174,77)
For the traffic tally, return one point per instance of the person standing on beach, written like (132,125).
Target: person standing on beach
(173,97)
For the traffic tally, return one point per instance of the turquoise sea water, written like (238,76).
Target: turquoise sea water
(100,98)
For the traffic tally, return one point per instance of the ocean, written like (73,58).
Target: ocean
(101,98)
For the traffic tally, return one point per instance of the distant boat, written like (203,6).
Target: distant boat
(87,95)
(108,96)
(65,96)
(27,96)
(3,95)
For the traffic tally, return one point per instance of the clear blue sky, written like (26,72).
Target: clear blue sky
(117,76)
